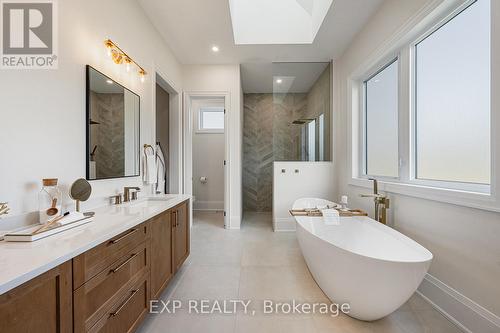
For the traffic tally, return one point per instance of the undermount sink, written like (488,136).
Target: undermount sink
(139,204)
(148,202)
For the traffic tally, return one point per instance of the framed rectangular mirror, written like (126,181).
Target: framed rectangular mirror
(113,125)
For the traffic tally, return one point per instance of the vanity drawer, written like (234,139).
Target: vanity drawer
(89,264)
(128,310)
(94,298)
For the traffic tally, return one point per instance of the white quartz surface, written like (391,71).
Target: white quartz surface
(21,262)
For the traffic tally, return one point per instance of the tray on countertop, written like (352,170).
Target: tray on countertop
(26,234)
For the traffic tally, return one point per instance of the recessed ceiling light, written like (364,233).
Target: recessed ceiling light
(215,48)
(279,81)
(108,81)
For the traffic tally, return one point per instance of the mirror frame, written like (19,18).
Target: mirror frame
(87,126)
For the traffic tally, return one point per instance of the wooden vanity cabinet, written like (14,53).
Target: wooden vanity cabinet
(181,228)
(42,305)
(162,268)
(97,299)
(90,263)
(107,288)
(169,246)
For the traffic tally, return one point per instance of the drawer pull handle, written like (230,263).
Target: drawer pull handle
(174,213)
(117,311)
(119,239)
(116,269)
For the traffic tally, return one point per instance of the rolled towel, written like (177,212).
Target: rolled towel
(331,216)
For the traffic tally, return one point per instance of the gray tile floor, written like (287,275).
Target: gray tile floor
(255,263)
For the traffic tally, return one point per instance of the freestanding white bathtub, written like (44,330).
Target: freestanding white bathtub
(360,261)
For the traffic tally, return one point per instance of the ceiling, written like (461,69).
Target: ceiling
(279,21)
(192,27)
(294,77)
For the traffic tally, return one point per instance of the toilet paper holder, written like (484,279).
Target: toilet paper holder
(203,180)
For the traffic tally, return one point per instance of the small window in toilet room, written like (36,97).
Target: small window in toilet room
(211,119)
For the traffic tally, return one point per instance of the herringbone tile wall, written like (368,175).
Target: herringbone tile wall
(269,135)
(108,136)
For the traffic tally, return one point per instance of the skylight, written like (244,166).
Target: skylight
(277,21)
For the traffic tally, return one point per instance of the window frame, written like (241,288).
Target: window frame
(452,185)
(388,61)
(402,45)
(203,130)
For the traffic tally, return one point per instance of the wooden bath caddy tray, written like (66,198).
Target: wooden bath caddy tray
(317,212)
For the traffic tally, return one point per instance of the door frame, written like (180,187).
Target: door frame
(175,161)
(188,144)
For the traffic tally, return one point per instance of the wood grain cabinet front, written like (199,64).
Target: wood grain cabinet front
(96,297)
(127,311)
(42,305)
(89,264)
(181,235)
(162,269)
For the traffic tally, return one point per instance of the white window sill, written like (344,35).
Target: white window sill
(209,132)
(455,197)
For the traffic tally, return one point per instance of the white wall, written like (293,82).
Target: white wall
(208,159)
(464,241)
(42,133)
(221,79)
(312,180)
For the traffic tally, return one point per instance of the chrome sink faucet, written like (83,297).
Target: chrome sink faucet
(127,191)
(381,202)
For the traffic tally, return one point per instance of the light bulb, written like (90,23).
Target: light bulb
(109,46)
(142,74)
(143,78)
(128,66)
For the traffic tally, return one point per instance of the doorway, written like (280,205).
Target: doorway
(206,153)
(162,138)
(168,135)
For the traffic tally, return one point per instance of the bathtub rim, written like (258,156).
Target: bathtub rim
(427,256)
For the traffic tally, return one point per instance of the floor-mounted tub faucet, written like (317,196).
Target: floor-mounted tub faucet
(381,202)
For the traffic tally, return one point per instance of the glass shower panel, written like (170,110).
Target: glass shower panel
(311,141)
(321,137)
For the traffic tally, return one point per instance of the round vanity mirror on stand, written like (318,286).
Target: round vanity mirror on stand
(81,191)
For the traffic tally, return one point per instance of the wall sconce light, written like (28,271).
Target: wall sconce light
(119,57)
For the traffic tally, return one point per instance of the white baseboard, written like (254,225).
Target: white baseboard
(283,224)
(464,312)
(208,205)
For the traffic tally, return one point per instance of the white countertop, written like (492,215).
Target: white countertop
(21,262)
